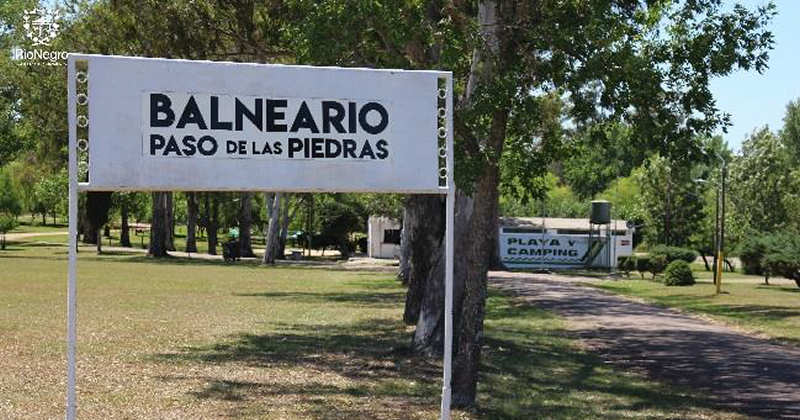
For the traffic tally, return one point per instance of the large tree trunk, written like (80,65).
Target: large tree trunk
(191,222)
(423,228)
(158,240)
(285,219)
(91,234)
(169,227)
(125,230)
(476,219)
(245,221)
(273,202)
(212,217)
(405,249)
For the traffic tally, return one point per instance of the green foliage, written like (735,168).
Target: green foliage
(560,201)
(9,199)
(7,223)
(752,251)
(658,263)
(758,180)
(674,253)
(653,264)
(52,192)
(387,205)
(678,273)
(627,264)
(625,197)
(671,201)
(339,220)
(790,134)
(603,152)
(643,263)
(783,256)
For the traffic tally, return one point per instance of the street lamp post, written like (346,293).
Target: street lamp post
(722,228)
(719,225)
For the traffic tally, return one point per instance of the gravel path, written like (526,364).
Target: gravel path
(736,371)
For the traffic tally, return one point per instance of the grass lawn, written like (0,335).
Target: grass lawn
(176,339)
(25,226)
(772,311)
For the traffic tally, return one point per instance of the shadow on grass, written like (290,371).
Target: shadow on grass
(371,353)
(530,369)
(536,369)
(384,299)
(774,288)
(759,313)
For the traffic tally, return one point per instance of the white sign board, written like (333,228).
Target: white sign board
(156,124)
(532,250)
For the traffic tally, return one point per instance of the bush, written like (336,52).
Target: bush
(627,264)
(678,273)
(658,263)
(782,256)
(643,264)
(752,251)
(675,253)
(653,264)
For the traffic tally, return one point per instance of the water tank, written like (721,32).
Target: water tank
(601,212)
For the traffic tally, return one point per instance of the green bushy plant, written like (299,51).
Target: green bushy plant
(674,253)
(627,264)
(782,256)
(658,263)
(752,251)
(643,264)
(678,273)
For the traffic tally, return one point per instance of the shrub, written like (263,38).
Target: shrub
(678,273)
(658,263)
(782,256)
(675,253)
(627,264)
(643,264)
(752,251)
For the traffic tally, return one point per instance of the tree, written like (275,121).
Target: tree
(759,178)
(192,209)
(338,221)
(9,206)
(672,202)
(245,218)
(129,204)
(51,193)
(97,206)
(9,198)
(790,134)
(273,202)
(603,152)
(158,226)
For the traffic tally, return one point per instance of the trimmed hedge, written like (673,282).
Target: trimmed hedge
(627,264)
(653,264)
(674,253)
(752,251)
(678,273)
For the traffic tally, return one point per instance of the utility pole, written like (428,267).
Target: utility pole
(668,215)
(716,235)
(722,228)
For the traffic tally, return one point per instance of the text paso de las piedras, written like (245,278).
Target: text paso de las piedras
(207,125)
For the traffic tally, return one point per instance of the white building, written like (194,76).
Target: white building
(383,237)
(536,242)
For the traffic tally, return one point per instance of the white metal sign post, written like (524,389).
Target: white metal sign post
(169,125)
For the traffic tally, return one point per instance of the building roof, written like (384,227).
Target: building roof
(554,223)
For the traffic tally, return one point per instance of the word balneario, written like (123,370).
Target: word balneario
(197,125)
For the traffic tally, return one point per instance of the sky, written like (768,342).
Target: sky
(755,100)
